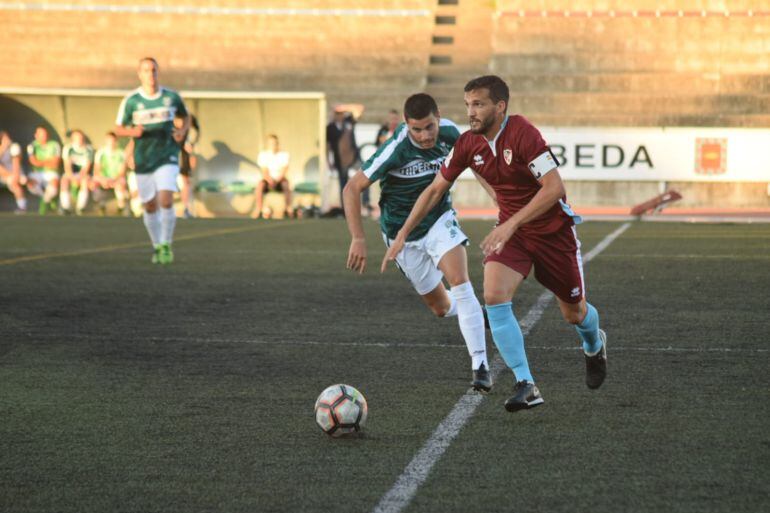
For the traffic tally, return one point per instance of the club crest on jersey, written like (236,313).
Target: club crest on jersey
(140,106)
(508,156)
(478,160)
(167,101)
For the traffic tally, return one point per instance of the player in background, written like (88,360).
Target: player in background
(110,173)
(78,160)
(535,228)
(147,116)
(10,170)
(188,161)
(44,157)
(435,249)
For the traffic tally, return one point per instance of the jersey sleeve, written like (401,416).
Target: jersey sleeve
(31,149)
(66,153)
(385,158)
(456,162)
(448,131)
(530,146)
(90,153)
(125,113)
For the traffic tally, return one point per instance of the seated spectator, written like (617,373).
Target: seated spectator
(10,170)
(110,174)
(274,165)
(44,157)
(187,159)
(78,159)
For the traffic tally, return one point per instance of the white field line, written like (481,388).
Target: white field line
(415,474)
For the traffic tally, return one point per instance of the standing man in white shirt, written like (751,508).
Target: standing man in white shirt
(274,164)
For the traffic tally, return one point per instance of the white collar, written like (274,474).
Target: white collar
(153,97)
(493,142)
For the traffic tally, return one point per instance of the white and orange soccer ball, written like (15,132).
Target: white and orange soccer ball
(341,410)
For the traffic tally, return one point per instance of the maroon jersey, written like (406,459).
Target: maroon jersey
(511,164)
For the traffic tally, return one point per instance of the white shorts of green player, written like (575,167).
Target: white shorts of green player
(162,179)
(420,259)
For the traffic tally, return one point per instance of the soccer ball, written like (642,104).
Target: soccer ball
(341,410)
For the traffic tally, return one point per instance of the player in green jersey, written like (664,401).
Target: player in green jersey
(110,173)
(44,157)
(78,160)
(147,116)
(405,165)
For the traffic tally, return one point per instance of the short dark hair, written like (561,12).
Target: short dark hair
(112,134)
(419,106)
(498,89)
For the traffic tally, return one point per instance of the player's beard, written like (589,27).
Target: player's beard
(484,124)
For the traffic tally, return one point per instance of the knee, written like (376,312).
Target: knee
(495,297)
(440,310)
(574,315)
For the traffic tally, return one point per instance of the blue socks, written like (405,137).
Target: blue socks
(589,331)
(509,340)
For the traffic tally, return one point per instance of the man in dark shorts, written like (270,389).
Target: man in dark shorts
(187,159)
(536,228)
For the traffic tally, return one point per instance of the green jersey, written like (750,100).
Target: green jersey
(78,156)
(45,151)
(110,161)
(404,171)
(156,147)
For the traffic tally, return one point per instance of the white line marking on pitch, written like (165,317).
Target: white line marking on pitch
(415,474)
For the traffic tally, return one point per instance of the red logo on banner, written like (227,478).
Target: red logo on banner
(710,156)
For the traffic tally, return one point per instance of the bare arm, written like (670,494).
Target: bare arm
(551,191)
(352,201)
(128,131)
(427,200)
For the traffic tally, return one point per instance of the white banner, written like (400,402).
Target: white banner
(661,154)
(650,154)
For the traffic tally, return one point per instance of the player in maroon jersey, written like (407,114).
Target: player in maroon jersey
(536,228)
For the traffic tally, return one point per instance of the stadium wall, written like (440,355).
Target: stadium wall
(569,63)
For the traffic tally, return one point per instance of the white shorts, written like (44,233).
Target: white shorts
(419,259)
(162,179)
(43,177)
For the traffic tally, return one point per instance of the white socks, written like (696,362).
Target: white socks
(160,225)
(152,223)
(167,222)
(452,306)
(82,198)
(471,320)
(65,198)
